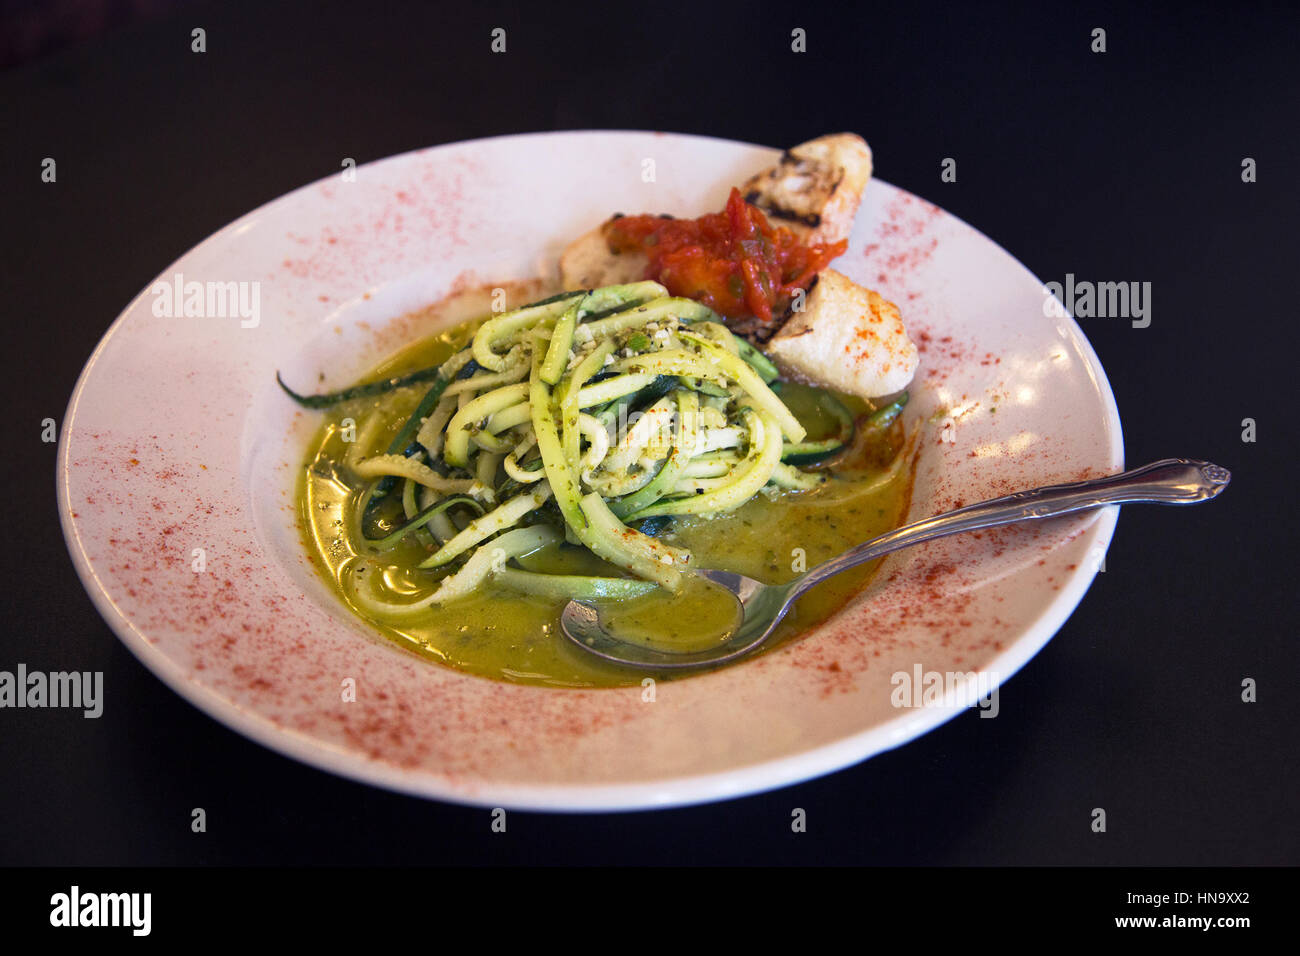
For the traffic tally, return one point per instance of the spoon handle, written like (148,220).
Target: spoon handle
(1172,481)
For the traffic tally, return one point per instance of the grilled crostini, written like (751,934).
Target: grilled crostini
(816,187)
(589,263)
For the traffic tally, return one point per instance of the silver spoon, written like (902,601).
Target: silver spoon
(1173,481)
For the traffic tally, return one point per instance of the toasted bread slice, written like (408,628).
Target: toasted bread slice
(816,187)
(588,263)
(846,337)
(814,191)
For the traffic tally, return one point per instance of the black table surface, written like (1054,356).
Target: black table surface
(1117,166)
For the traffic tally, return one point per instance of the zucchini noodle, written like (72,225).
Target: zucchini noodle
(571,419)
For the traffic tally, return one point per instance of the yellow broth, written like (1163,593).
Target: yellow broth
(502,634)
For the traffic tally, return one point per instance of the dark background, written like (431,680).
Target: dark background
(1117,166)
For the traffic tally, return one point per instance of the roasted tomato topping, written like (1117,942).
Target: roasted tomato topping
(735,261)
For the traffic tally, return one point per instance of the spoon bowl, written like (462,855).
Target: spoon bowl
(763,606)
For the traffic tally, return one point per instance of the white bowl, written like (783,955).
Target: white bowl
(179,454)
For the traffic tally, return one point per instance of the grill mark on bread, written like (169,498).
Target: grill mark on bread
(822,182)
(812,220)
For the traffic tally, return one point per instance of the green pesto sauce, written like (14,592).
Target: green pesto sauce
(501,634)
(701,616)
